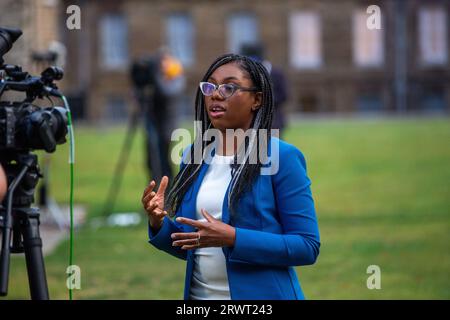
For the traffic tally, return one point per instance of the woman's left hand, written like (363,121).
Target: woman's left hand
(212,233)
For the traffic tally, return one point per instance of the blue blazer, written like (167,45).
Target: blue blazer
(276,229)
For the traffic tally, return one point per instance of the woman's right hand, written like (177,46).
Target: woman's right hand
(154,203)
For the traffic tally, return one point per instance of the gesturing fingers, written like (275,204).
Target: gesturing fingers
(147,192)
(187,241)
(163,185)
(149,188)
(207,216)
(148,197)
(185,235)
(190,222)
(150,207)
(160,213)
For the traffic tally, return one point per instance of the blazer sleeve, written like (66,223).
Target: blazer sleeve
(162,240)
(299,243)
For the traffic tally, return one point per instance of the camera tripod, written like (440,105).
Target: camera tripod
(20,223)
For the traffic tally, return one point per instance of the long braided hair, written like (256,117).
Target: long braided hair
(244,173)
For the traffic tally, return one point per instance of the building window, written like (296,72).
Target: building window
(433,99)
(369,101)
(115,109)
(368,44)
(305,40)
(242,29)
(433,36)
(180,37)
(113,41)
(309,102)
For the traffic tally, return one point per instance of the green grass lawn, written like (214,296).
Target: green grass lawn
(382,196)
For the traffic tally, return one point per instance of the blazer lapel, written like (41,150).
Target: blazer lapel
(190,207)
(225,213)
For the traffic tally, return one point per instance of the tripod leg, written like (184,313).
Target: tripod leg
(33,253)
(123,158)
(7,226)
(4,261)
(153,140)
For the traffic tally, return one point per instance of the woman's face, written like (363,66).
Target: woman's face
(237,111)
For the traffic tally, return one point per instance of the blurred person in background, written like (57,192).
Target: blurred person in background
(160,86)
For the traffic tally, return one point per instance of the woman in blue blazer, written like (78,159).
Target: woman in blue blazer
(242,222)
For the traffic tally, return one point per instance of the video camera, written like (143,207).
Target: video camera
(25,127)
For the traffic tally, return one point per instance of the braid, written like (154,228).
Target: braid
(244,172)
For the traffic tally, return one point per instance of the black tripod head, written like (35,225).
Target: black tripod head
(13,162)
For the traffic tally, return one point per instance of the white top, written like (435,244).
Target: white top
(209,279)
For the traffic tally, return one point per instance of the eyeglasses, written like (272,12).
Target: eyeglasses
(226,90)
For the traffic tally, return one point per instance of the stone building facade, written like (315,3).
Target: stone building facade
(39,22)
(333,62)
